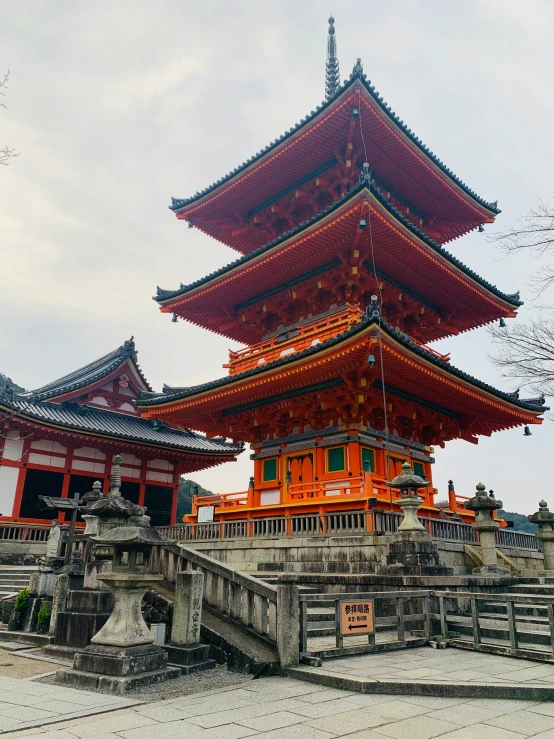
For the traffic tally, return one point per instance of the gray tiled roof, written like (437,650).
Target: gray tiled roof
(379,195)
(86,419)
(170,394)
(89,374)
(357,74)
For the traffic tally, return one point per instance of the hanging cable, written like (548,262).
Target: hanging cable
(368,203)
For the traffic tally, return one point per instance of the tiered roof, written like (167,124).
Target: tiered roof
(403,252)
(397,157)
(405,361)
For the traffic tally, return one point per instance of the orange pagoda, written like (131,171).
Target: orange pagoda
(342,283)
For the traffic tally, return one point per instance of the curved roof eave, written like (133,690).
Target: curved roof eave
(178,204)
(534,405)
(166,295)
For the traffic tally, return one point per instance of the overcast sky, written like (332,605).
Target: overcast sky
(116,106)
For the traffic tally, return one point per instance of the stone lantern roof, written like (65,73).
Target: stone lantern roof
(407,480)
(140,535)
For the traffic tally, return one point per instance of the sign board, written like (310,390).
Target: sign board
(356,617)
(206,514)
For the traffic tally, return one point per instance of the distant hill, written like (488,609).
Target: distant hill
(5,380)
(520,521)
(187,489)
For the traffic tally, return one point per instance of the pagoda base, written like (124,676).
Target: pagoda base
(118,669)
(413,553)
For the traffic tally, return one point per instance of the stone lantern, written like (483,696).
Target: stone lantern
(412,551)
(408,484)
(122,654)
(545,520)
(484,505)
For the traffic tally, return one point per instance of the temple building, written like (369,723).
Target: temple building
(343,281)
(57,440)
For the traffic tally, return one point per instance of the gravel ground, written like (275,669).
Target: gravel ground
(197,682)
(12,665)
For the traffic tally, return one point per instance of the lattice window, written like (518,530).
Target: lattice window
(130,490)
(157,500)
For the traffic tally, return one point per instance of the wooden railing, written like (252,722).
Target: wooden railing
(24,532)
(295,340)
(233,594)
(342,523)
(398,619)
(503,631)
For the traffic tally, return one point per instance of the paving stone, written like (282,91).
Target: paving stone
(25,714)
(272,721)
(328,694)
(220,718)
(432,702)
(163,713)
(347,723)
(524,722)
(466,714)
(419,727)
(547,709)
(370,699)
(114,722)
(399,709)
(507,705)
(481,731)
(297,732)
(329,708)
(170,730)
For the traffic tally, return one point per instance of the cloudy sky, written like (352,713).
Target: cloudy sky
(117,106)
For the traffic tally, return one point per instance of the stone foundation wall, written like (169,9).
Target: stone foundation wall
(21,552)
(346,554)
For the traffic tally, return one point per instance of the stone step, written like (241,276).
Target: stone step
(499,630)
(208,664)
(521,610)
(24,637)
(531,589)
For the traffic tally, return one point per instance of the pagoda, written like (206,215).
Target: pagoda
(343,281)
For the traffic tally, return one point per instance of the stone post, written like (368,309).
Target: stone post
(288,625)
(483,505)
(59,599)
(187,608)
(545,520)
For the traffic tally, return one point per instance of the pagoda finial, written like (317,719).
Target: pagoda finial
(332,78)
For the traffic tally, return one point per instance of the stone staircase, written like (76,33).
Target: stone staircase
(14,578)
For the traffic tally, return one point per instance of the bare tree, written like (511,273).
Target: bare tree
(526,350)
(527,353)
(6,153)
(533,232)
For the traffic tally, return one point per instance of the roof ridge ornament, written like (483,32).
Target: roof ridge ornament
(332,74)
(358,68)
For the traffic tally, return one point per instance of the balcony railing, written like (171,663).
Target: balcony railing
(295,340)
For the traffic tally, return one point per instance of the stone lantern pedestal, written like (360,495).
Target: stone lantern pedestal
(122,655)
(412,551)
(483,505)
(545,520)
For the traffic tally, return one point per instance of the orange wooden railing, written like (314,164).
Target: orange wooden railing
(276,347)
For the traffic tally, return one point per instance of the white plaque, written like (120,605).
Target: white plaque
(206,514)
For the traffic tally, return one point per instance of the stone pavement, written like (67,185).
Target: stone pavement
(450,665)
(283,708)
(25,703)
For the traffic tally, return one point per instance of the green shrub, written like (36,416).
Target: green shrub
(44,613)
(22,600)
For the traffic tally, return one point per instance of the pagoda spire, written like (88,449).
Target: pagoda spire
(332,78)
